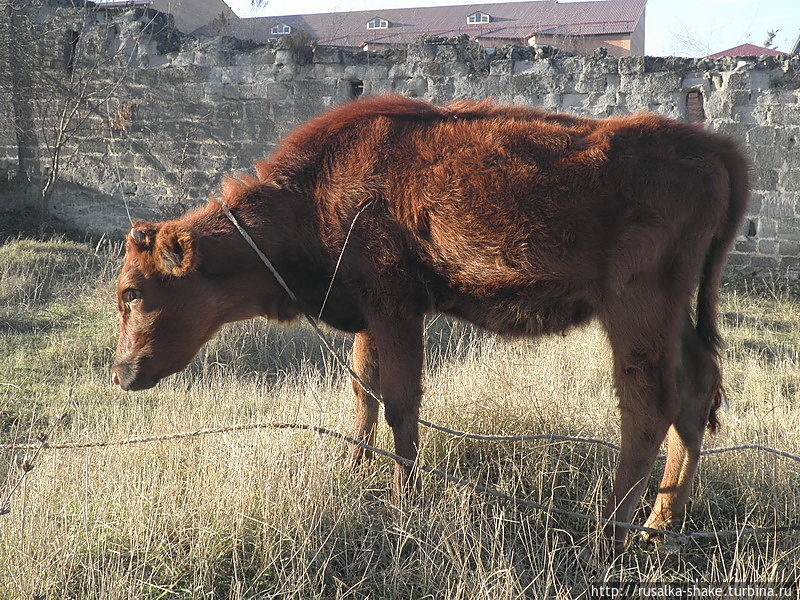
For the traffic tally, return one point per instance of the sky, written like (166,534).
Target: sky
(673,27)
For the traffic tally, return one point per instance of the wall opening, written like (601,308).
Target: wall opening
(356,88)
(694,107)
(71,50)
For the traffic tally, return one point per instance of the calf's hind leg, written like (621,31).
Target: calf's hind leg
(366,366)
(644,374)
(698,379)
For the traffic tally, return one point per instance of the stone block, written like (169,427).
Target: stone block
(789,248)
(790,180)
(416,87)
(631,64)
(771,155)
(590,81)
(502,68)
(229,110)
(732,129)
(788,229)
(790,266)
(759,80)
(276,92)
(571,101)
(400,71)
(764,178)
(767,246)
(778,209)
(262,56)
(761,136)
(613,81)
(767,228)
(736,259)
(257,108)
(420,53)
(767,263)
(327,55)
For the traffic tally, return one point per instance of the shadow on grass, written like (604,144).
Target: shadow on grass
(769,351)
(273,351)
(737,319)
(25,322)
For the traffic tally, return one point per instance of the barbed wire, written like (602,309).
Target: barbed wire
(680,538)
(28,463)
(545,437)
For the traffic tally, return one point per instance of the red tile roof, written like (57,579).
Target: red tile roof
(748,50)
(508,20)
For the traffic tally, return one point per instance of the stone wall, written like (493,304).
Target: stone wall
(190,111)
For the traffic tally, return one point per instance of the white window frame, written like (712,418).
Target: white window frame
(478,17)
(281,29)
(378,23)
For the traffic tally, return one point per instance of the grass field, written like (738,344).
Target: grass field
(268,514)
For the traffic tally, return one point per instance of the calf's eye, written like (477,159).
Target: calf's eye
(131,295)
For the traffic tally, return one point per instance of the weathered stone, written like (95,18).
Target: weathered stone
(764,179)
(789,248)
(789,229)
(738,260)
(790,181)
(767,246)
(767,228)
(761,136)
(764,263)
(746,246)
(327,55)
(789,266)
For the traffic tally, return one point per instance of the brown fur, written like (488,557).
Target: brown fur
(517,220)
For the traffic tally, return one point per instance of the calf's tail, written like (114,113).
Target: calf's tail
(738,169)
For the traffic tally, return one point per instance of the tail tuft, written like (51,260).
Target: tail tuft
(716,402)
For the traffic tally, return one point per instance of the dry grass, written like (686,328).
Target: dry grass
(275,515)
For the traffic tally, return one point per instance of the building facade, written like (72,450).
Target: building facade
(618,26)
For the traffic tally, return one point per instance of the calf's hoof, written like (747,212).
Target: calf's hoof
(659,522)
(407,484)
(663,544)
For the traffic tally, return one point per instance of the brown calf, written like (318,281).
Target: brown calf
(519,221)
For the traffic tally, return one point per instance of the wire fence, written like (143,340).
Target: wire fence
(679,538)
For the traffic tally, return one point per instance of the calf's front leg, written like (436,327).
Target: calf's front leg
(399,341)
(366,366)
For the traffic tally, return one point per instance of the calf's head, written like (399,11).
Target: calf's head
(169,306)
(165,312)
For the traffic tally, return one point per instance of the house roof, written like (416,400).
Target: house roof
(509,20)
(747,50)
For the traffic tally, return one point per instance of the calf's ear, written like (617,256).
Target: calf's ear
(175,252)
(142,235)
